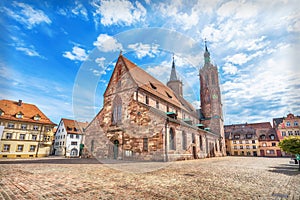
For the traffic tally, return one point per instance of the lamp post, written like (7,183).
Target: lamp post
(166,139)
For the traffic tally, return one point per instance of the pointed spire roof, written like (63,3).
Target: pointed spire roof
(173,76)
(206,54)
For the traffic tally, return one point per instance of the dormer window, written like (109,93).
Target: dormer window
(272,137)
(168,95)
(263,137)
(153,86)
(19,115)
(37,117)
(236,136)
(1,112)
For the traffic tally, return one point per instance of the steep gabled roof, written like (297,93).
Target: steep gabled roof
(153,86)
(11,108)
(73,126)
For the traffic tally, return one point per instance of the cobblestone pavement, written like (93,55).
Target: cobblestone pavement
(214,178)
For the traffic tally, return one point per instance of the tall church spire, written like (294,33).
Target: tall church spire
(206,55)
(173,76)
(174,83)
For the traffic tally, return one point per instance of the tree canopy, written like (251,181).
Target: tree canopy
(290,144)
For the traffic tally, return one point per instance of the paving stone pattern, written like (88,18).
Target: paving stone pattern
(214,178)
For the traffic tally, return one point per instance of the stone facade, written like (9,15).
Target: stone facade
(211,104)
(143,119)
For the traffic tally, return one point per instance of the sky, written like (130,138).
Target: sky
(59,55)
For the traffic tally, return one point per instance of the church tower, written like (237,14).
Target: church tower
(210,96)
(174,83)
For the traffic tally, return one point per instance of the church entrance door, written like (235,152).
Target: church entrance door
(194,152)
(116,149)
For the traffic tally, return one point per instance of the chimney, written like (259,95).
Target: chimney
(20,103)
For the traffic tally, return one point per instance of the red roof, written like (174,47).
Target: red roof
(73,126)
(28,112)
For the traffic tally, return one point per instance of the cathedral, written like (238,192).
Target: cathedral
(146,120)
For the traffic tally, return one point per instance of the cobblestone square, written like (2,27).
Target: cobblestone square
(214,178)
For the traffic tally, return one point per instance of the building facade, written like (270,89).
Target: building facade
(287,126)
(210,96)
(255,139)
(27,130)
(69,138)
(143,119)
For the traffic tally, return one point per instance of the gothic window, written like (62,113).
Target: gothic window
(92,145)
(193,139)
(117,110)
(207,97)
(213,80)
(206,79)
(171,139)
(145,144)
(184,141)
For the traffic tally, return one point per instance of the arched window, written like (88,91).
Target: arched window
(184,141)
(117,110)
(171,139)
(288,124)
(213,80)
(200,142)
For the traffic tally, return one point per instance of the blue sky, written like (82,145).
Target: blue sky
(59,55)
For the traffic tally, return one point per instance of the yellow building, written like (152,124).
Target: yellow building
(27,131)
(241,140)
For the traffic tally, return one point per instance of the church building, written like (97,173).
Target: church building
(144,119)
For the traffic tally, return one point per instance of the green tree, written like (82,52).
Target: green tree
(291,145)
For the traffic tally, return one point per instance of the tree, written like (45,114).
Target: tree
(291,145)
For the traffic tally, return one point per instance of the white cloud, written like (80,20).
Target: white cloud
(80,10)
(28,51)
(118,12)
(182,19)
(107,43)
(143,50)
(238,59)
(76,10)
(237,10)
(76,54)
(229,69)
(28,16)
